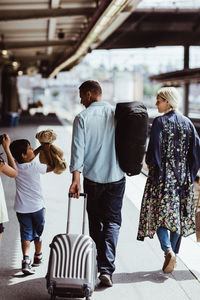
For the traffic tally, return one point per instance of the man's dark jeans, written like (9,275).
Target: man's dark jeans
(104,213)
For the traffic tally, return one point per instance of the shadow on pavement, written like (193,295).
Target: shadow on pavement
(30,289)
(153,276)
(27,289)
(35,288)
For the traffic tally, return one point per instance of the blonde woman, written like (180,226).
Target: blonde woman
(10,170)
(173,158)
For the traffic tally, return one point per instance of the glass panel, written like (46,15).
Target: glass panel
(194,57)
(194,100)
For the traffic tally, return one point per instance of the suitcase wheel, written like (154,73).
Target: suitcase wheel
(51,292)
(87,293)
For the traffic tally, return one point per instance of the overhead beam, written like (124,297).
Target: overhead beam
(166,15)
(182,76)
(14,15)
(140,39)
(166,10)
(156,27)
(36,44)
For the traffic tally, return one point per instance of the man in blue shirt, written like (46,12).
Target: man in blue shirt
(93,154)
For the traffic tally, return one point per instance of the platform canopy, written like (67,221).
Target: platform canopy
(53,35)
(153,27)
(48,36)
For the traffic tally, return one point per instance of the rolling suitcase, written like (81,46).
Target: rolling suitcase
(72,268)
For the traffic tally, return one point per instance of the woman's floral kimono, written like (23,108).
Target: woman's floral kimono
(173,157)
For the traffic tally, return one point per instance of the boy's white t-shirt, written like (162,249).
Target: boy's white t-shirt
(29,196)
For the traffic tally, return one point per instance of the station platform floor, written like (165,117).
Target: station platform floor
(138,274)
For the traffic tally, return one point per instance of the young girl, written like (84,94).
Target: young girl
(10,170)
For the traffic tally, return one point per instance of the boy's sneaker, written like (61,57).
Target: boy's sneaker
(27,268)
(37,260)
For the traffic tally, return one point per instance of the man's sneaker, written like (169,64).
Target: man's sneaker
(37,260)
(169,263)
(106,279)
(26,267)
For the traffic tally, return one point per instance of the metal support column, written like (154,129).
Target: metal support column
(186,84)
(10,97)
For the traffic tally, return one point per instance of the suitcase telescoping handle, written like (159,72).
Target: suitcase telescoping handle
(70,195)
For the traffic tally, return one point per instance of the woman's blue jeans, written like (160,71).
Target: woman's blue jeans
(168,241)
(104,213)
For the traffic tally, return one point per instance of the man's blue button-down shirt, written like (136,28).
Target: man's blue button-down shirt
(93,144)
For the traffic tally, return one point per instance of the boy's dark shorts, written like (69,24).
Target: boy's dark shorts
(31,225)
(1,228)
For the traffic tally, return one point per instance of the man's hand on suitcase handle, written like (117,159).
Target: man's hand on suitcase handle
(74,191)
(75,187)
(71,195)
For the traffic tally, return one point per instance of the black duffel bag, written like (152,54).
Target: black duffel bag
(130,135)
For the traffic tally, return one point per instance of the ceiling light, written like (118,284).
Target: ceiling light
(20,73)
(4,52)
(15,65)
(31,71)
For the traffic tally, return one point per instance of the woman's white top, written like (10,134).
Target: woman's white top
(3,208)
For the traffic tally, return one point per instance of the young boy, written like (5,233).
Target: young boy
(29,202)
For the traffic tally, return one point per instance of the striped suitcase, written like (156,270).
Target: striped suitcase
(72,268)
